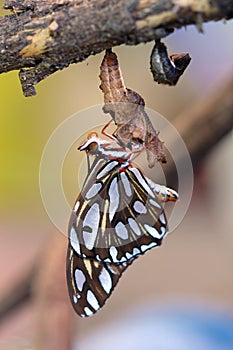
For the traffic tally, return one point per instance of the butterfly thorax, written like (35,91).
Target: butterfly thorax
(106,150)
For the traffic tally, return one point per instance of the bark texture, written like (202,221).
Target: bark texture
(41,37)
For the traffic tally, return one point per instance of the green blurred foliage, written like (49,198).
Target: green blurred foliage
(26,125)
(20,129)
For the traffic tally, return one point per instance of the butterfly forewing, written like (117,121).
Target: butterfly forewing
(117,216)
(91,282)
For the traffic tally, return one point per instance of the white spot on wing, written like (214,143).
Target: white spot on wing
(93,190)
(76,206)
(136,251)
(79,279)
(114,198)
(74,241)
(134,226)
(163,230)
(91,220)
(152,231)
(154,203)
(162,218)
(145,247)
(128,256)
(108,167)
(105,280)
(113,252)
(126,184)
(142,181)
(75,299)
(91,298)
(87,311)
(139,207)
(121,230)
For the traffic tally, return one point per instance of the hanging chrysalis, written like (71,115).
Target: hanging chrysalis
(167,69)
(126,107)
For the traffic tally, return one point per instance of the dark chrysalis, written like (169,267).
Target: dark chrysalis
(167,69)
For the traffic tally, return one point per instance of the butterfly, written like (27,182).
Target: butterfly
(117,217)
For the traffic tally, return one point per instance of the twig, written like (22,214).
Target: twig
(54,316)
(207,122)
(16,295)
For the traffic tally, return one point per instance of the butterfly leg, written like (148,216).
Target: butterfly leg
(103,131)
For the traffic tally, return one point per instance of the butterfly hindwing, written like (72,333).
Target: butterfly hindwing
(91,282)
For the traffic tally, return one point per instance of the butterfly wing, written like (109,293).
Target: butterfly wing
(90,282)
(138,221)
(117,216)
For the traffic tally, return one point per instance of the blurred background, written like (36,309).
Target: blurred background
(181,292)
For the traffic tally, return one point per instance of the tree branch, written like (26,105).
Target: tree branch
(42,37)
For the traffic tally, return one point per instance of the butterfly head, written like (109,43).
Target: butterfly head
(93,144)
